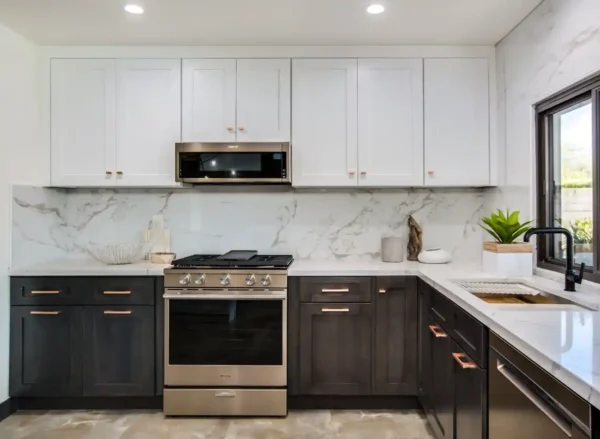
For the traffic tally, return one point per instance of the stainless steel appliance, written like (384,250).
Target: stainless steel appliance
(256,163)
(527,402)
(226,335)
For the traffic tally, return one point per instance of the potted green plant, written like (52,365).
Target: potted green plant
(582,235)
(505,256)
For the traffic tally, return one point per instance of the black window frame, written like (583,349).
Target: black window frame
(588,89)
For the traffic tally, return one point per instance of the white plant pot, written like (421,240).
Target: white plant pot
(513,260)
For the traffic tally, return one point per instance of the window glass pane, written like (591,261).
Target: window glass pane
(572,176)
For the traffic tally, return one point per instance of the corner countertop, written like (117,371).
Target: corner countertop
(562,339)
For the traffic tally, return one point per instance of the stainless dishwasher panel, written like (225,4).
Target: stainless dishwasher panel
(526,402)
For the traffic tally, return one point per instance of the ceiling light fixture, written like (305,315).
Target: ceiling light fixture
(134,9)
(375,9)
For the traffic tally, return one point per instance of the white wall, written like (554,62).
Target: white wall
(18,141)
(557,45)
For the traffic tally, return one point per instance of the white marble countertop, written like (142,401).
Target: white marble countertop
(562,339)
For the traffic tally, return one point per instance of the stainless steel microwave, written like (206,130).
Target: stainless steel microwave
(253,163)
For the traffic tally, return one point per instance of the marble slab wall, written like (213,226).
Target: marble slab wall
(346,224)
(555,46)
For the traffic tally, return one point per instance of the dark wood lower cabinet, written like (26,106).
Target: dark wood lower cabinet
(335,349)
(442,380)
(45,351)
(118,354)
(396,328)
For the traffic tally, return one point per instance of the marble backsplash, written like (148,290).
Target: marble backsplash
(334,224)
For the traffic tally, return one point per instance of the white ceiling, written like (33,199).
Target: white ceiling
(264,22)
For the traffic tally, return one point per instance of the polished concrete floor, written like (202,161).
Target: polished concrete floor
(149,425)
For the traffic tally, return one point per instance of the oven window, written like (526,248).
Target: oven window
(232,165)
(226,332)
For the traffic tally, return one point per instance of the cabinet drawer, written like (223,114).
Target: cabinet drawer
(471,336)
(122,290)
(44,291)
(442,308)
(335,289)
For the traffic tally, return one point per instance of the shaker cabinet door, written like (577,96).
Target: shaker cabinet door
(390,122)
(324,122)
(83,122)
(208,100)
(263,100)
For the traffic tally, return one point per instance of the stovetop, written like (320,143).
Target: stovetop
(243,261)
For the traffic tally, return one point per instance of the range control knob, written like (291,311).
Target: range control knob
(185,279)
(225,279)
(250,280)
(200,280)
(266,280)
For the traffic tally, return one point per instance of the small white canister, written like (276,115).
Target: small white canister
(392,249)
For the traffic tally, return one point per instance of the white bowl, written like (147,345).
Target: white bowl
(117,254)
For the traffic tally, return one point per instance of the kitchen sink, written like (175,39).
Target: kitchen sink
(514,293)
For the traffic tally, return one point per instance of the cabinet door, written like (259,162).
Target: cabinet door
(83,122)
(442,381)
(425,354)
(457,133)
(118,354)
(396,336)
(148,121)
(470,385)
(45,351)
(335,349)
(324,122)
(208,100)
(263,100)
(390,122)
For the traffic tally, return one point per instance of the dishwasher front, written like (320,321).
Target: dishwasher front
(527,402)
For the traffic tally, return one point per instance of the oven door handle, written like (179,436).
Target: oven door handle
(225,295)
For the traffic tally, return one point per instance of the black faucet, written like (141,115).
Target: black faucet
(571,278)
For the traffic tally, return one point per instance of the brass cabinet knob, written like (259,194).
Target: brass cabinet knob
(352,171)
(119,172)
(241,128)
(108,172)
(430,172)
(230,129)
(363,172)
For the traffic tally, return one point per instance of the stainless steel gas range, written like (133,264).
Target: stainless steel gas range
(225,335)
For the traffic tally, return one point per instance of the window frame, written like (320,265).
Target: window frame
(588,89)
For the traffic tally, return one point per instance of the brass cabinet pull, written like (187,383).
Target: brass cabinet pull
(230,129)
(335,290)
(363,172)
(241,128)
(464,364)
(116,293)
(335,310)
(118,313)
(108,172)
(382,291)
(436,330)
(45,292)
(119,172)
(44,313)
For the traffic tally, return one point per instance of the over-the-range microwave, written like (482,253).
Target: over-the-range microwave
(253,163)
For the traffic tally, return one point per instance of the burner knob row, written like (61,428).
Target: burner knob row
(187,279)
(266,281)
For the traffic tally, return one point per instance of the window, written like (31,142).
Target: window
(568,133)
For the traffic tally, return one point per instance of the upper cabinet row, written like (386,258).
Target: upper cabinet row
(365,122)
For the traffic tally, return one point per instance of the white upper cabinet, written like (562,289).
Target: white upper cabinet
(324,122)
(148,121)
(390,122)
(263,100)
(246,100)
(82,122)
(457,122)
(209,95)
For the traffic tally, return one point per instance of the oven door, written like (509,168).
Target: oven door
(205,163)
(225,338)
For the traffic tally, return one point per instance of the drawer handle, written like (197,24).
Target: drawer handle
(45,292)
(436,330)
(118,313)
(44,313)
(382,291)
(117,293)
(464,364)
(335,310)
(335,290)
(225,394)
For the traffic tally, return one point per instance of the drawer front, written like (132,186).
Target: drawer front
(44,291)
(336,289)
(471,336)
(442,308)
(122,291)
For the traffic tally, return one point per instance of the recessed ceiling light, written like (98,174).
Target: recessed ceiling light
(375,9)
(134,9)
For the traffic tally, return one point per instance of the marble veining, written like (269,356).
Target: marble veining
(49,224)
(153,425)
